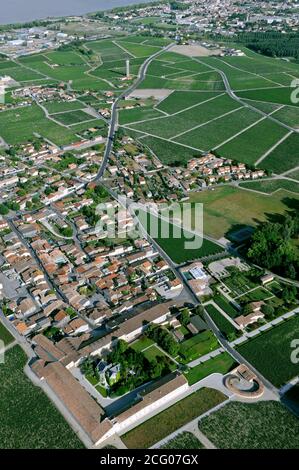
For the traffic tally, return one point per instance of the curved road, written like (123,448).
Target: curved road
(113,119)
(232,95)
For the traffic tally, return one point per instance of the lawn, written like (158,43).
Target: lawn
(165,423)
(263,425)
(270,352)
(5,335)
(28,418)
(227,208)
(198,346)
(221,364)
(255,296)
(226,328)
(142,344)
(225,305)
(184,440)
(153,352)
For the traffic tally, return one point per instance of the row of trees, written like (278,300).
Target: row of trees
(273,44)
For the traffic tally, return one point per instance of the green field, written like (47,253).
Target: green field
(225,305)
(165,423)
(19,125)
(128,116)
(221,364)
(216,132)
(5,335)
(28,418)
(223,324)
(61,106)
(142,344)
(255,296)
(153,352)
(270,352)
(168,152)
(284,157)
(227,208)
(273,95)
(170,126)
(288,115)
(249,146)
(73,117)
(179,100)
(179,252)
(185,440)
(198,346)
(264,425)
(271,186)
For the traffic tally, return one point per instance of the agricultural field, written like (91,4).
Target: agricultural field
(174,417)
(170,126)
(201,116)
(272,186)
(128,116)
(211,135)
(221,364)
(184,440)
(285,156)
(270,352)
(19,126)
(180,100)
(263,425)
(179,252)
(73,117)
(28,418)
(280,95)
(54,107)
(227,209)
(249,147)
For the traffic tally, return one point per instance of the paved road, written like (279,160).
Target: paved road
(232,94)
(50,282)
(113,119)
